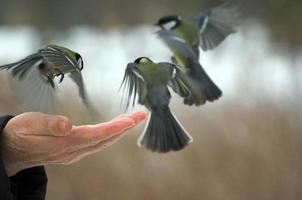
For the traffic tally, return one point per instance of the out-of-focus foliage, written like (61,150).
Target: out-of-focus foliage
(239,153)
(283,17)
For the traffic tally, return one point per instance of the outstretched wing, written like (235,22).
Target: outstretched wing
(21,68)
(34,92)
(133,85)
(216,24)
(177,44)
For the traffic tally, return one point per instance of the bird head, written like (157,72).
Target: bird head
(143,60)
(169,22)
(79,60)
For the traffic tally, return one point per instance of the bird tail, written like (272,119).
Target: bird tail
(218,24)
(202,87)
(210,90)
(164,133)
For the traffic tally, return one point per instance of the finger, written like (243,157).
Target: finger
(36,123)
(88,135)
(136,116)
(71,157)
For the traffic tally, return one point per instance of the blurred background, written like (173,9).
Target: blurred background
(246,146)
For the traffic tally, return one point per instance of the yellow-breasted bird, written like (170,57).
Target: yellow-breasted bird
(147,82)
(36,74)
(184,37)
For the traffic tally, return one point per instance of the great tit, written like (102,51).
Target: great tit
(148,82)
(207,29)
(184,36)
(203,88)
(36,74)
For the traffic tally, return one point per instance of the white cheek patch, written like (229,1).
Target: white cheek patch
(80,63)
(169,25)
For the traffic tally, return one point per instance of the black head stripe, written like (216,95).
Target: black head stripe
(167,19)
(142,59)
(138,60)
(78,56)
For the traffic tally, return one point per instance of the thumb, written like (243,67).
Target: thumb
(36,123)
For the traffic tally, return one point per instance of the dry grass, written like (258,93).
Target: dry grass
(239,153)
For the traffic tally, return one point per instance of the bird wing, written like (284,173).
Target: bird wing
(177,82)
(34,92)
(177,44)
(133,85)
(59,60)
(21,68)
(77,78)
(216,24)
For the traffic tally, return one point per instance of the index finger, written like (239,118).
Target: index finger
(89,135)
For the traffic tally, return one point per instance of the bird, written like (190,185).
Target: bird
(207,29)
(36,75)
(184,37)
(146,83)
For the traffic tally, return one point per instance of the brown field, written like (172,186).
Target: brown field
(240,152)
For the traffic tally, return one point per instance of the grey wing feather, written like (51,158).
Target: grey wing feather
(179,83)
(34,93)
(59,60)
(133,85)
(21,68)
(78,80)
(177,44)
(216,24)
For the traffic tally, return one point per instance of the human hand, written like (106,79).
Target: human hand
(34,139)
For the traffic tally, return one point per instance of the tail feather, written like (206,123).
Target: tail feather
(202,87)
(163,133)
(211,90)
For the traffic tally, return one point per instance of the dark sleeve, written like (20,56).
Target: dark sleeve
(28,184)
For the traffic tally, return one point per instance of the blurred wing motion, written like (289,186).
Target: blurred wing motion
(78,80)
(21,68)
(216,24)
(34,92)
(58,59)
(133,85)
(177,44)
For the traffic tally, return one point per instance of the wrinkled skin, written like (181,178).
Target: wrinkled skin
(34,139)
